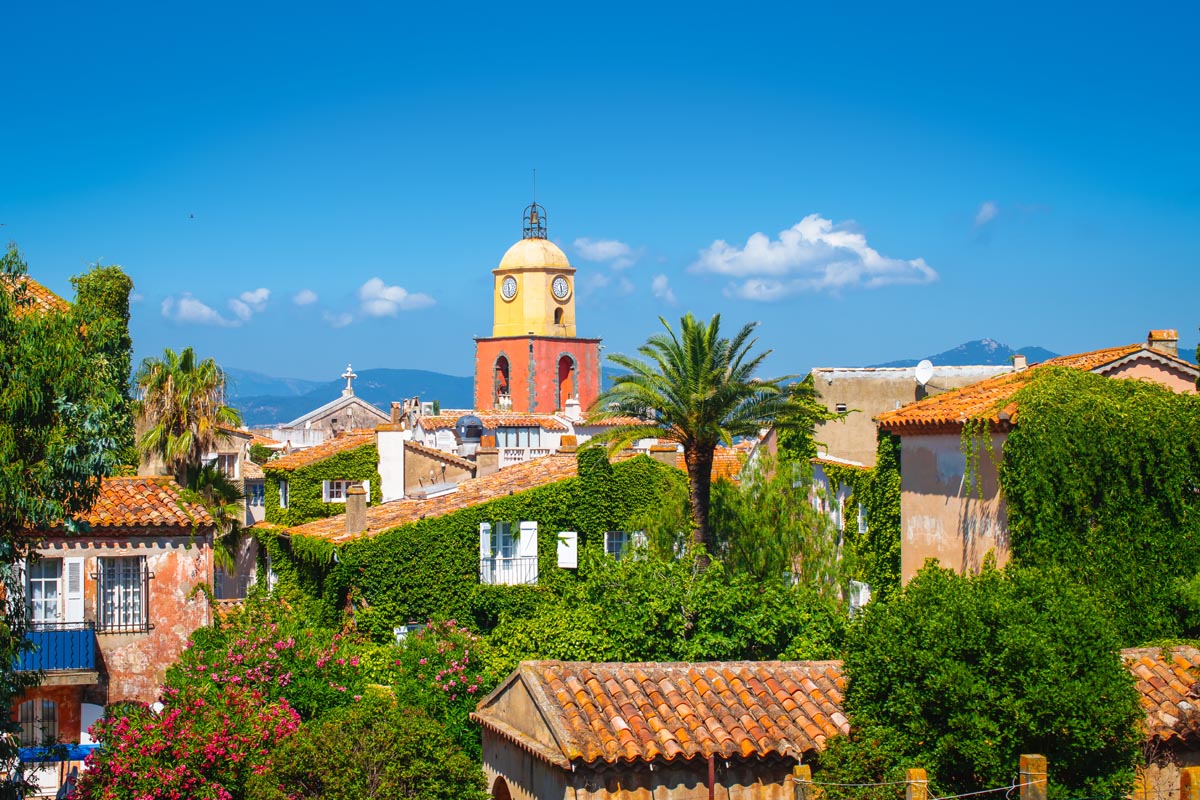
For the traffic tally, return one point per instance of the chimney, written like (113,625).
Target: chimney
(1164,341)
(665,454)
(1019,362)
(356,509)
(569,443)
(397,413)
(487,457)
(573,410)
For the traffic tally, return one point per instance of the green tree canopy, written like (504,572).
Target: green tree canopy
(183,409)
(962,674)
(383,751)
(698,389)
(102,307)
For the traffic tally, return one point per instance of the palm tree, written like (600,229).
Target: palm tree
(182,410)
(698,390)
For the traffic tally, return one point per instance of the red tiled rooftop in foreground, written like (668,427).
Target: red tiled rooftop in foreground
(41,299)
(330,447)
(990,398)
(145,502)
(1167,683)
(617,712)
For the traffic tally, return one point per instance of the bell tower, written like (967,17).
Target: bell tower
(534,361)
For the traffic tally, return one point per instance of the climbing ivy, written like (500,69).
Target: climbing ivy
(304,485)
(1100,477)
(877,550)
(430,568)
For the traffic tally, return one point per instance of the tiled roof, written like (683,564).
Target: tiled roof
(441,455)
(491,421)
(727,462)
(989,399)
(327,448)
(41,299)
(517,478)
(252,471)
(145,502)
(600,421)
(650,711)
(1167,683)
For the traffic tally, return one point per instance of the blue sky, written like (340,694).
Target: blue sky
(870,182)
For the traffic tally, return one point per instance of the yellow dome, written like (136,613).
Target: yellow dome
(534,253)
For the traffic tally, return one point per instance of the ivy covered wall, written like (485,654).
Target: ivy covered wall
(305,501)
(876,551)
(430,568)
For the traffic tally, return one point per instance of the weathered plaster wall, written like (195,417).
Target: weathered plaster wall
(939,518)
(135,663)
(67,699)
(527,777)
(423,469)
(1144,369)
(1160,779)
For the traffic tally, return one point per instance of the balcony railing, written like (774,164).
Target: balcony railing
(497,571)
(59,646)
(515,455)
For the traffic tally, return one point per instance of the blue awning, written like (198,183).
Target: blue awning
(68,752)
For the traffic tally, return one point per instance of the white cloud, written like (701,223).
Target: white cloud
(811,256)
(304,297)
(988,211)
(661,287)
(621,255)
(136,297)
(380,300)
(338,320)
(189,309)
(246,304)
(596,280)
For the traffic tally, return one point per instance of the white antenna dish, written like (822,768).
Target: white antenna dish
(924,371)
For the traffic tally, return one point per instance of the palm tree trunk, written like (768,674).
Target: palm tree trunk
(699,466)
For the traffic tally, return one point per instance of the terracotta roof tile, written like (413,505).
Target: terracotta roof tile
(517,478)
(630,712)
(41,299)
(491,421)
(144,502)
(727,463)
(433,452)
(989,398)
(330,447)
(1170,693)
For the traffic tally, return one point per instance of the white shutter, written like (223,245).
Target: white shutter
(367,489)
(527,544)
(638,539)
(568,550)
(324,491)
(73,589)
(485,540)
(18,592)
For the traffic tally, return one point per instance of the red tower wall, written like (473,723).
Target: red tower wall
(534,371)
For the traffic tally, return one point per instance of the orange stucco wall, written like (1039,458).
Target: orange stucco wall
(939,517)
(533,377)
(1144,369)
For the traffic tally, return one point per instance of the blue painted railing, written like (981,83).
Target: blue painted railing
(59,646)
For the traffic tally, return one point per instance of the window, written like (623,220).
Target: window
(519,437)
(840,408)
(617,543)
(336,491)
(227,463)
(45,582)
(283,494)
(503,543)
(862,519)
(256,493)
(39,722)
(122,594)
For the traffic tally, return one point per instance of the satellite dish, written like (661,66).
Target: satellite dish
(924,371)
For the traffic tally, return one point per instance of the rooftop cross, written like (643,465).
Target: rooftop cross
(349,376)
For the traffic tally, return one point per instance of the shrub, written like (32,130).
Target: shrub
(383,751)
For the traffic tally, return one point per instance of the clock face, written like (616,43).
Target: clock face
(560,287)
(508,289)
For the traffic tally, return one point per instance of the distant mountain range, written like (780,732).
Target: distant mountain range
(264,400)
(980,351)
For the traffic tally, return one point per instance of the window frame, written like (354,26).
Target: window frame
(56,581)
(504,542)
(33,720)
(283,494)
(118,579)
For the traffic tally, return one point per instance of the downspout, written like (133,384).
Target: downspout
(712,777)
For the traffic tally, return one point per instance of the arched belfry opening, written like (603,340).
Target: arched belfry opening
(558,316)
(502,397)
(566,381)
(535,222)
